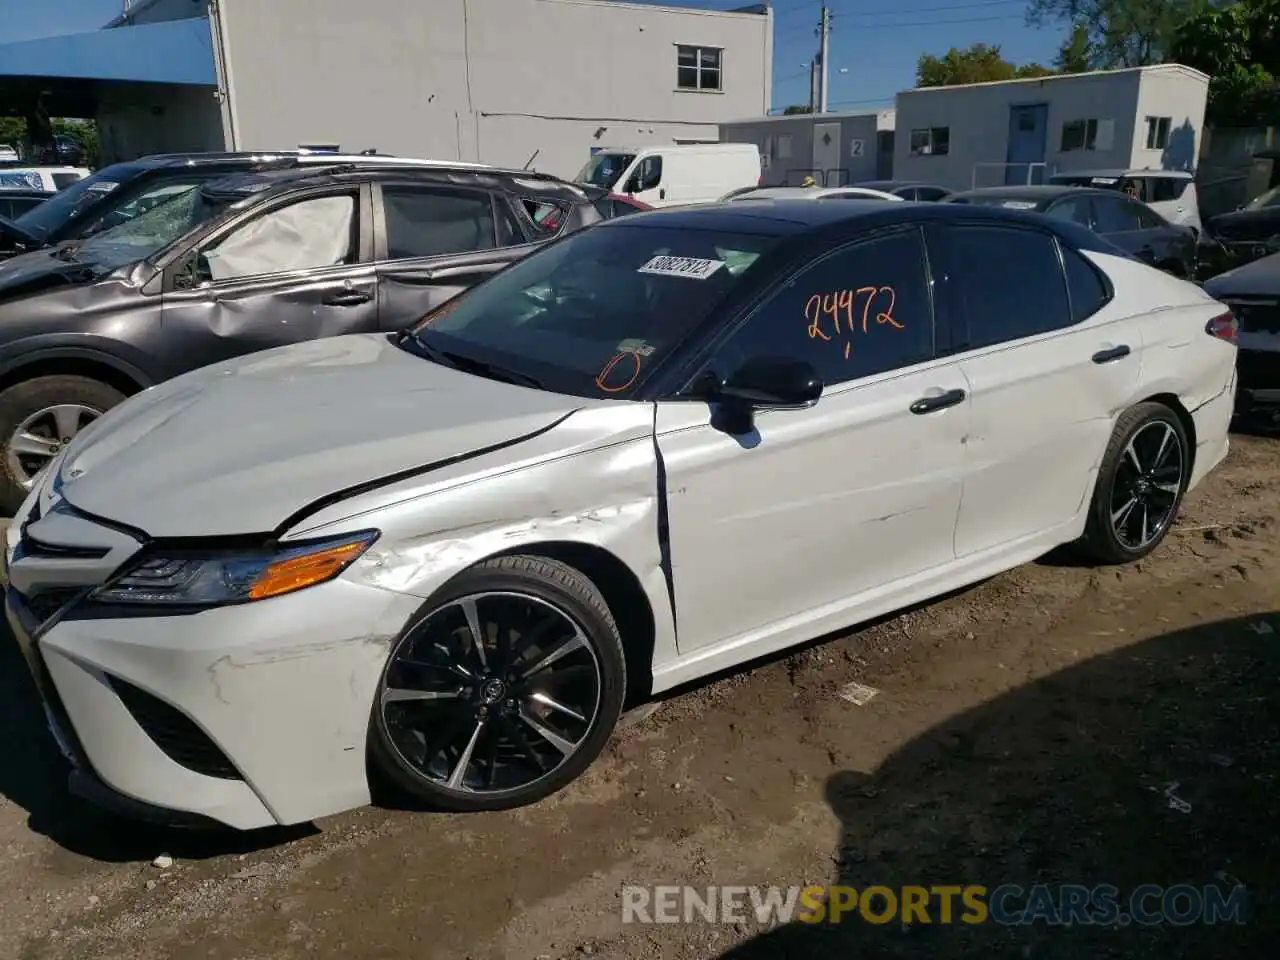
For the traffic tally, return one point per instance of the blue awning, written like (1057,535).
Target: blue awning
(174,51)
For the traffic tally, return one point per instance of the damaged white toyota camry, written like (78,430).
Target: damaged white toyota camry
(655,449)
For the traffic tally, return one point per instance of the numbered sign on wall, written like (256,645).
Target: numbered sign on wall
(855,148)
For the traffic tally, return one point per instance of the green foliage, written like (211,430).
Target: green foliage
(13,131)
(1238,45)
(796,109)
(1118,33)
(979,63)
(1076,53)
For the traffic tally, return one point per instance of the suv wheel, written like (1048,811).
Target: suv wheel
(38,418)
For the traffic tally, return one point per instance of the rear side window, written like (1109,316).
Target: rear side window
(1088,292)
(1073,210)
(61,180)
(1115,215)
(547,217)
(930,193)
(1007,282)
(422,222)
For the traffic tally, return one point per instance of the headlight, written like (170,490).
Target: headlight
(210,578)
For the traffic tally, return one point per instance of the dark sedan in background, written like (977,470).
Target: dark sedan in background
(245,263)
(1128,223)
(907,189)
(1251,232)
(1252,292)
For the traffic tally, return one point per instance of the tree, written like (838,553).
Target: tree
(1074,56)
(1238,46)
(1119,33)
(976,64)
(795,109)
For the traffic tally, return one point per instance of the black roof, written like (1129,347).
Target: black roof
(887,185)
(786,217)
(1040,194)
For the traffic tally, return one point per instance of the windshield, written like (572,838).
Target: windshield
(593,314)
(69,202)
(150,232)
(604,169)
(1269,199)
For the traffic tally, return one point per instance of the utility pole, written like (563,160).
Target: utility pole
(813,84)
(824,33)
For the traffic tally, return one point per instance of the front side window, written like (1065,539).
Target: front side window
(698,68)
(307,235)
(1164,189)
(860,311)
(930,141)
(605,169)
(648,175)
(1079,135)
(1008,282)
(1115,215)
(595,312)
(425,222)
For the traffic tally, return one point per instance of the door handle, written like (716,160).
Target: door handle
(939,402)
(347,298)
(1111,353)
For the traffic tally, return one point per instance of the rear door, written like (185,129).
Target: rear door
(433,241)
(1048,361)
(294,269)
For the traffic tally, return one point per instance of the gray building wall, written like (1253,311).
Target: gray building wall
(978,119)
(793,147)
(483,80)
(1181,96)
(142,118)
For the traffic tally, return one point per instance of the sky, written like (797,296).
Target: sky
(874,44)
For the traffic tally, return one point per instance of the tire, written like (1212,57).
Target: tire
(1118,481)
(24,400)
(511,772)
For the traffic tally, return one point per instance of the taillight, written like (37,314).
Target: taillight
(1224,327)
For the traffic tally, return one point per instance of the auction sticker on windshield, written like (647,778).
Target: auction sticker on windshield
(667,266)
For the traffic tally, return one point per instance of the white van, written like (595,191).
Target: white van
(662,176)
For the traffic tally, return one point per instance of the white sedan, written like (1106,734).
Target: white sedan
(654,450)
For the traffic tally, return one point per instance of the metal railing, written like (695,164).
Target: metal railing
(998,174)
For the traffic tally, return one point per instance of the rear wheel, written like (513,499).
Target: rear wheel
(504,691)
(1139,489)
(38,418)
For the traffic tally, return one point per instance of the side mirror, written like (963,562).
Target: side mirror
(766,383)
(632,186)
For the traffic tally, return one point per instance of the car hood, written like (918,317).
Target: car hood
(1261,278)
(240,447)
(33,272)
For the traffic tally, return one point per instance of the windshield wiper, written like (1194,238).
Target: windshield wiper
(457,361)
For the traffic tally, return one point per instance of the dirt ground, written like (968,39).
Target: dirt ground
(1025,731)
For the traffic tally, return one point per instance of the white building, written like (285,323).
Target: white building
(834,148)
(494,81)
(1022,131)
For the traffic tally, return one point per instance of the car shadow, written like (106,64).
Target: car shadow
(1156,764)
(33,776)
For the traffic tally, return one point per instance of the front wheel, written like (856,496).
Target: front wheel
(504,691)
(1140,484)
(38,418)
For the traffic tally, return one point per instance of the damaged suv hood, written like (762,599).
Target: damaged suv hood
(239,447)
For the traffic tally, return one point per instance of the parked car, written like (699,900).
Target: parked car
(121,191)
(49,179)
(810,193)
(620,464)
(1252,292)
(675,173)
(1170,193)
(240,264)
(1126,222)
(908,190)
(14,202)
(7,152)
(1251,232)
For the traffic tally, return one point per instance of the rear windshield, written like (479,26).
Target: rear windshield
(604,169)
(68,203)
(593,313)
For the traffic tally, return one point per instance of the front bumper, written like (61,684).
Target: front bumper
(248,716)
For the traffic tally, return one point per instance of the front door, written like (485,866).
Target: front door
(1047,373)
(1028,135)
(794,521)
(297,270)
(826,152)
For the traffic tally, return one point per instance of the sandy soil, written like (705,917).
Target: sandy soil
(1025,731)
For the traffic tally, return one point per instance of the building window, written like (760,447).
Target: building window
(1079,135)
(931,142)
(1158,132)
(698,68)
